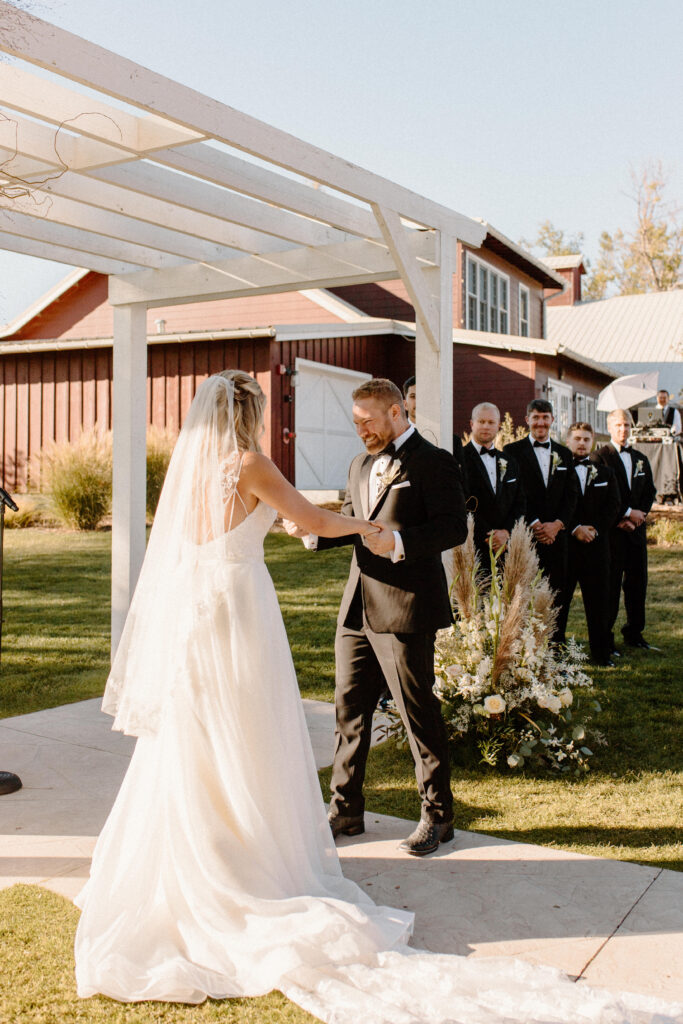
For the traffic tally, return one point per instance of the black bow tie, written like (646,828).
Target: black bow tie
(488,451)
(390,450)
(621,449)
(581,462)
(541,444)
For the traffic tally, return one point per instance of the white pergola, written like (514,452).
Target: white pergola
(109,166)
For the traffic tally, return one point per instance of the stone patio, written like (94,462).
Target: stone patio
(609,923)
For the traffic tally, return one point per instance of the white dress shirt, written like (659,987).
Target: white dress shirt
(543,456)
(582,473)
(490,464)
(625,456)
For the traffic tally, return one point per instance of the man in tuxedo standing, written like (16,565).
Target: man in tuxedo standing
(411,408)
(493,487)
(551,488)
(588,563)
(395,600)
(628,539)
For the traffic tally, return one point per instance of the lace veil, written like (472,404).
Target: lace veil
(195,509)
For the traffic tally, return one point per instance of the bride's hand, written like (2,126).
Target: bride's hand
(293,530)
(366,529)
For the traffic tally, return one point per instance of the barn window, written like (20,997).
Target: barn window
(487,298)
(523,311)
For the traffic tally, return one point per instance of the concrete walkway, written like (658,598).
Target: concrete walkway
(612,924)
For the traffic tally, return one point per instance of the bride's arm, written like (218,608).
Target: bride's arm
(264,480)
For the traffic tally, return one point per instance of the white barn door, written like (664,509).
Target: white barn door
(326,440)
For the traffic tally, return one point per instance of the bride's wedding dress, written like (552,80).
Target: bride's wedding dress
(216,873)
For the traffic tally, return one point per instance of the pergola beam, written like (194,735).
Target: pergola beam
(335,266)
(57,104)
(396,238)
(60,254)
(16,223)
(205,198)
(58,210)
(151,210)
(40,43)
(260,183)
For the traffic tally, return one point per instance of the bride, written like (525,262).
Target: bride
(216,873)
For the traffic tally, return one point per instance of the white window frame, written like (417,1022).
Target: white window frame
(585,409)
(562,417)
(487,283)
(522,322)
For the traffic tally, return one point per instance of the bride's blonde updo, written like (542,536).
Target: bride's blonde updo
(249,406)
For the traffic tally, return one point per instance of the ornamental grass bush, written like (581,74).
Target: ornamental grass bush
(667,533)
(77,477)
(31,513)
(159,449)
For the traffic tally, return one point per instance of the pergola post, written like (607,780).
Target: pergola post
(130,461)
(434,367)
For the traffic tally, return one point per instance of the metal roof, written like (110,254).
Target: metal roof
(644,329)
(566,262)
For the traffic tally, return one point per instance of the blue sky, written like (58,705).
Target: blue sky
(514,112)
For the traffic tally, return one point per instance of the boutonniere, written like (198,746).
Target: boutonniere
(592,473)
(555,462)
(389,475)
(502,466)
(639,468)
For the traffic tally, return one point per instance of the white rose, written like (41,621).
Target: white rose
(452,671)
(495,704)
(515,760)
(566,697)
(554,705)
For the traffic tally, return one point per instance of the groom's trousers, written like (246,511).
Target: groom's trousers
(366,662)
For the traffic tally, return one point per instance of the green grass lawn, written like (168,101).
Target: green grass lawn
(55,650)
(629,806)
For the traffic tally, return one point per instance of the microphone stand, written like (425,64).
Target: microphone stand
(9,782)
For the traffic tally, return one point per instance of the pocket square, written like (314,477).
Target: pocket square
(512,480)
(603,484)
(404,483)
(561,469)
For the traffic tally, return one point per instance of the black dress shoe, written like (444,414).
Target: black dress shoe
(9,783)
(346,825)
(615,654)
(638,641)
(426,837)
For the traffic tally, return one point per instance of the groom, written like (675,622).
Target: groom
(395,600)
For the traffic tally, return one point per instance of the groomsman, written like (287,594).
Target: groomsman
(588,563)
(551,488)
(628,540)
(493,489)
(410,403)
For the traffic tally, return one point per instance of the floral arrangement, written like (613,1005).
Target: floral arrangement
(518,699)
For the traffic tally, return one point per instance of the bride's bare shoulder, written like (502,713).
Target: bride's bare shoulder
(257,464)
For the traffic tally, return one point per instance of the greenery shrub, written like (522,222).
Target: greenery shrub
(159,449)
(77,477)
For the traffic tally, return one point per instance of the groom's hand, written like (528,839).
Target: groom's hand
(381,542)
(293,530)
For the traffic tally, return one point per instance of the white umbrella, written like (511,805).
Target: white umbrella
(625,392)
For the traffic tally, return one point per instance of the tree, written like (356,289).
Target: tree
(650,257)
(551,241)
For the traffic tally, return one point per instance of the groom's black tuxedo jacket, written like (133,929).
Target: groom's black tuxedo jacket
(492,510)
(557,500)
(424,502)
